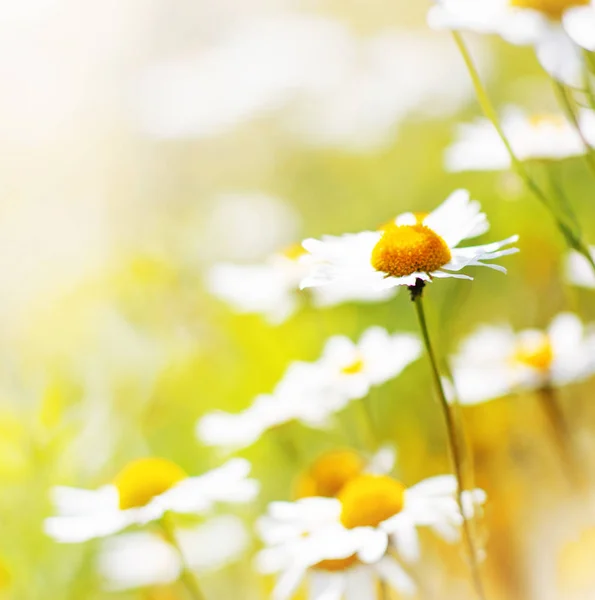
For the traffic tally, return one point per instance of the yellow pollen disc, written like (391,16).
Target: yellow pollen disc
(554,9)
(368,500)
(538,354)
(406,249)
(357,366)
(143,479)
(294,251)
(336,564)
(329,473)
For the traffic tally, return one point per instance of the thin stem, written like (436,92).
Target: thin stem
(453,442)
(567,104)
(562,435)
(187,576)
(573,240)
(384,594)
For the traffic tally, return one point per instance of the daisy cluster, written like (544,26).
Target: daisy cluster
(353,524)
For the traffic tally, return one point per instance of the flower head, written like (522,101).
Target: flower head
(495,361)
(408,249)
(344,541)
(556,28)
(542,137)
(143,492)
(312,392)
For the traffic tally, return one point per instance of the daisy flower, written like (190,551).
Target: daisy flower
(353,368)
(272,288)
(556,28)
(143,492)
(478,146)
(143,559)
(495,361)
(578,269)
(313,392)
(302,395)
(413,247)
(344,545)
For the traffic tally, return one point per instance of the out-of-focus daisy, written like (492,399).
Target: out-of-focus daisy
(331,471)
(542,137)
(414,246)
(495,361)
(313,392)
(143,559)
(272,288)
(553,27)
(578,270)
(302,395)
(344,545)
(142,492)
(353,368)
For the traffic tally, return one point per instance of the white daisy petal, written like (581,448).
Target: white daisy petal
(360,584)
(579,23)
(398,579)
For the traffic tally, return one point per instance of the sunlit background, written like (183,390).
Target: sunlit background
(143,142)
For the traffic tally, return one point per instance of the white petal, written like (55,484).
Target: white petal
(327,586)
(560,57)
(579,23)
(390,570)
(71,501)
(70,530)
(360,584)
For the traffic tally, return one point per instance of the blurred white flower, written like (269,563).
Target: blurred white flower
(327,85)
(313,392)
(578,270)
(142,492)
(495,361)
(422,246)
(553,27)
(478,146)
(353,368)
(343,544)
(143,559)
(272,288)
(245,227)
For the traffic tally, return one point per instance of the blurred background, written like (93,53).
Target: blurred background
(142,142)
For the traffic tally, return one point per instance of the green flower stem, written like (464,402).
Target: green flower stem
(187,576)
(453,441)
(569,107)
(572,238)
(562,436)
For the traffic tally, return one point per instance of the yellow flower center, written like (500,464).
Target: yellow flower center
(406,249)
(357,366)
(143,479)
(535,353)
(294,252)
(336,564)
(329,473)
(554,9)
(368,500)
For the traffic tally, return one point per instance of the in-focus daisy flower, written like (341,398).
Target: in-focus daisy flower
(541,137)
(272,288)
(142,492)
(579,271)
(495,361)
(313,392)
(341,545)
(413,247)
(143,559)
(556,28)
(329,473)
